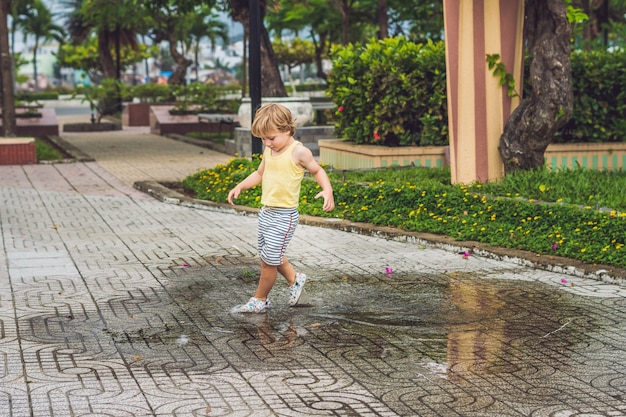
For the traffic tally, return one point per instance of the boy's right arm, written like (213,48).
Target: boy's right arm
(250,181)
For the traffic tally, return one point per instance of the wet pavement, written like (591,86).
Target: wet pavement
(117,304)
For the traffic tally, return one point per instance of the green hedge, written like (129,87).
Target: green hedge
(599,79)
(44,95)
(310,87)
(207,97)
(393,92)
(390,92)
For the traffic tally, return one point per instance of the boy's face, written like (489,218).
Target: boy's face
(276,141)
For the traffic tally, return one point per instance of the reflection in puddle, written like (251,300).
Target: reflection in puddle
(427,334)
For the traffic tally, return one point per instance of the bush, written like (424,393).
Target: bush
(564,223)
(151,93)
(599,79)
(300,88)
(393,92)
(390,92)
(33,97)
(102,98)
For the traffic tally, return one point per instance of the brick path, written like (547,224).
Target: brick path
(116,304)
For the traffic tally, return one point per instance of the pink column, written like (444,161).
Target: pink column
(478,107)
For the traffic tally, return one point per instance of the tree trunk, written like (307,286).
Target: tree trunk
(382,19)
(595,9)
(35,72)
(344,11)
(104,52)
(534,122)
(319,51)
(182,63)
(6,75)
(271,82)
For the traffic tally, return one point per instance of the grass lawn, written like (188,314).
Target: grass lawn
(579,214)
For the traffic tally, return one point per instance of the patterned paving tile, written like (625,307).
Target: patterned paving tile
(118,305)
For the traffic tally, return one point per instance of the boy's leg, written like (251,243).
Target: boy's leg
(287,271)
(266,281)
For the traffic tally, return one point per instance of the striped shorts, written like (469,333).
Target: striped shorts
(276,227)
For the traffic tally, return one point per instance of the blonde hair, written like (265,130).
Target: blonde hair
(272,117)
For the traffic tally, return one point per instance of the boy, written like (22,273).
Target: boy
(280,175)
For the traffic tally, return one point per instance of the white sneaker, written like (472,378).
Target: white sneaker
(254,305)
(295,291)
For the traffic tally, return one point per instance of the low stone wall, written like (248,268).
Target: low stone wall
(347,155)
(597,156)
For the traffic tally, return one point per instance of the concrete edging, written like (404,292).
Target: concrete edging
(557,264)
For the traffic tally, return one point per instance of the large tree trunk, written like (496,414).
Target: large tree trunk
(319,51)
(106,58)
(182,63)
(271,82)
(534,122)
(6,75)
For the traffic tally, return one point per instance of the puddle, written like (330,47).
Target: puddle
(408,331)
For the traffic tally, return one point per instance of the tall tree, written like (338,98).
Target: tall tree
(204,24)
(40,25)
(19,12)
(549,106)
(418,20)
(6,73)
(271,82)
(115,25)
(319,17)
(168,24)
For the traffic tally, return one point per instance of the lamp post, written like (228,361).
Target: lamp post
(254,67)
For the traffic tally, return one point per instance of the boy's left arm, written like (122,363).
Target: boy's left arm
(305,159)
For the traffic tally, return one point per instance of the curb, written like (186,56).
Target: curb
(77,154)
(557,264)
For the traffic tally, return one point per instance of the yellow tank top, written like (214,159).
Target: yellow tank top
(281,179)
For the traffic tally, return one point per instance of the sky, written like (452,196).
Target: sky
(56,7)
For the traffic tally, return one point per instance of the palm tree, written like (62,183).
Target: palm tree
(19,12)
(39,24)
(204,24)
(171,20)
(271,82)
(114,23)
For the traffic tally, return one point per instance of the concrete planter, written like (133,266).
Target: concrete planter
(342,154)
(45,124)
(91,127)
(301,108)
(597,156)
(138,114)
(17,151)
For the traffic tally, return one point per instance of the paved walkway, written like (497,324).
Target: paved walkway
(116,304)
(134,154)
